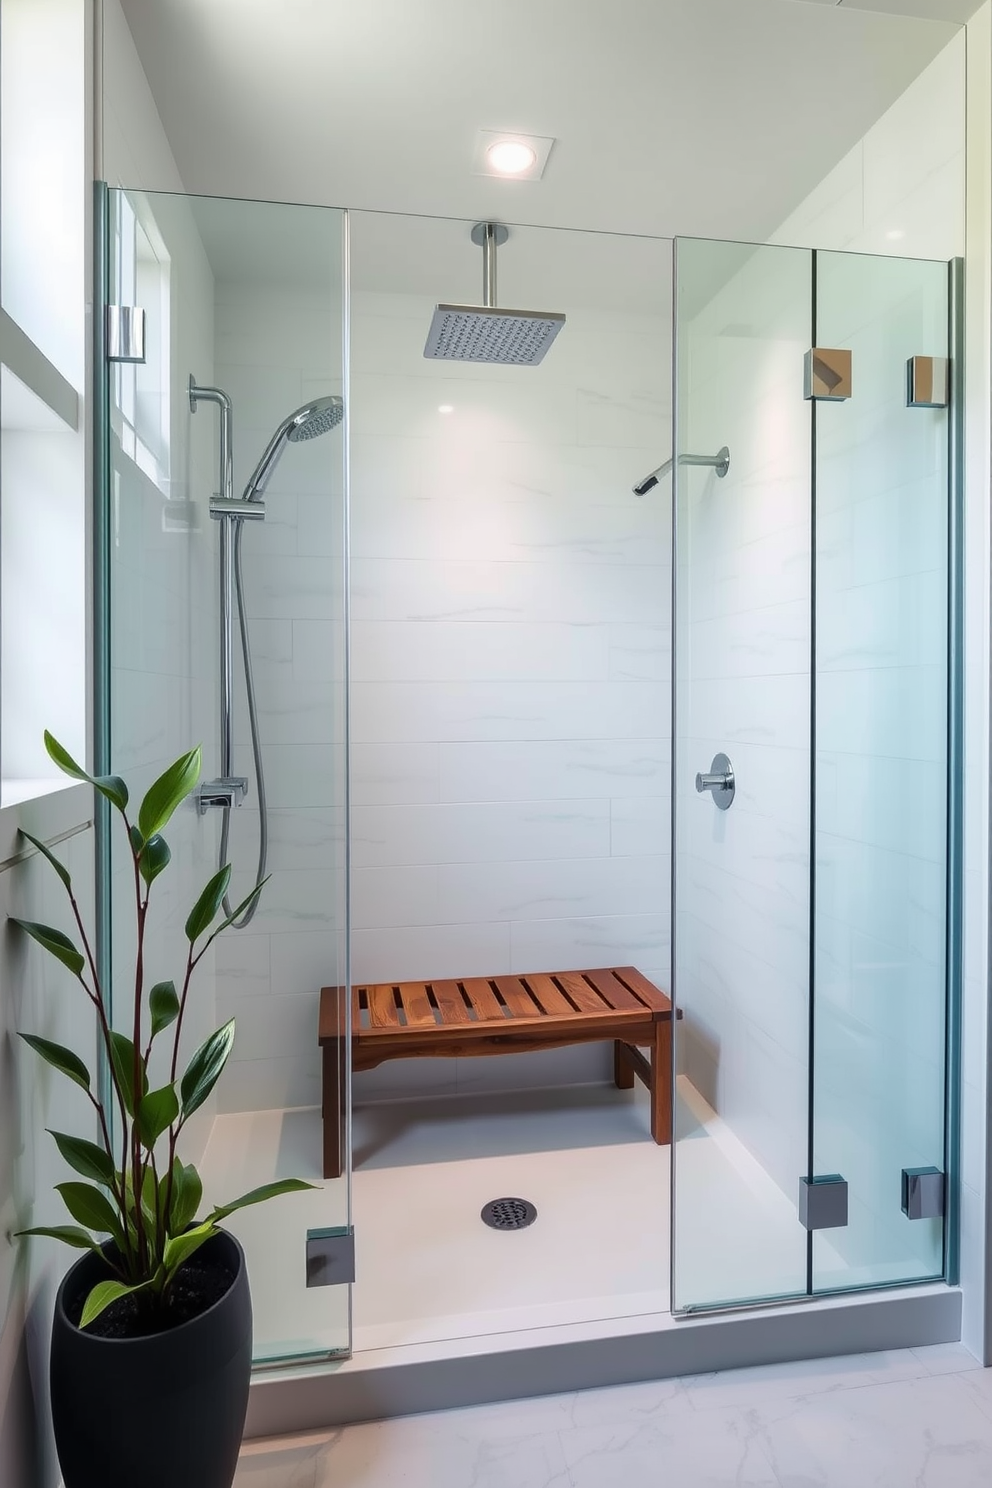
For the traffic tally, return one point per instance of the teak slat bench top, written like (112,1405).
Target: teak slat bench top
(497,1015)
(596,1001)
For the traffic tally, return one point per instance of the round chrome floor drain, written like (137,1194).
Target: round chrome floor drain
(509,1214)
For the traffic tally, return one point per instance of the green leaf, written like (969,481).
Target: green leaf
(101,1297)
(187,1191)
(57,944)
(89,1207)
(122,1059)
(208,904)
(163,1003)
(236,914)
(135,838)
(203,1070)
(167,792)
(260,1195)
(111,786)
(60,1057)
(154,858)
(86,1158)
(68,1234)
(60,868)
(156,1112)
(181,1247)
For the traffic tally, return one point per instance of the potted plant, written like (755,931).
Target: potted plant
(151,1340)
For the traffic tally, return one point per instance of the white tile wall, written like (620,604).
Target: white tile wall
(277,344)
(510,662)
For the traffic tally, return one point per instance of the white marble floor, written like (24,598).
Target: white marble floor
(918,1418)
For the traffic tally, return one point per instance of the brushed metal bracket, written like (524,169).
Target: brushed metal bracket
(827,374)
(922,1193)
(823,1202)
(330,1256)
(928,382)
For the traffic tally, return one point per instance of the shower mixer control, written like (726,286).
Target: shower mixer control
(228,792)
(719,780)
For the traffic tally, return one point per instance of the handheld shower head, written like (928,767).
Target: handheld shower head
(308,422)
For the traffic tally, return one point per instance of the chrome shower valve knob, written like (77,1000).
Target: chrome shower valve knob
(719,780)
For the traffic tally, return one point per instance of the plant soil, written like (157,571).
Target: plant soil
(197,1285)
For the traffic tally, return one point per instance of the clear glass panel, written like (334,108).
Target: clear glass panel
(245,297)
(880,767)
(742,649)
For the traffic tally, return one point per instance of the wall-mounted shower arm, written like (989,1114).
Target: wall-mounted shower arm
(720,462)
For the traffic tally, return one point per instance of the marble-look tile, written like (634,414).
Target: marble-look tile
(554,888)
(684,1448)
(424,712)
(927,1432)
(553,769)
(390,836)
(424,1454)
(395,651)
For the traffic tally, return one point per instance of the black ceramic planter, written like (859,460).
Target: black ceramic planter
(166,1411)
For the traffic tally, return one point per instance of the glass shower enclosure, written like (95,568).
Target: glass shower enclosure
(813,891)
(813,883)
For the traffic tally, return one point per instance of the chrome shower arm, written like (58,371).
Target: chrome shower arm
(720,462)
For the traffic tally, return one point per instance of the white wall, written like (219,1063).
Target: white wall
(36,996)
(975,1188)
(510,644)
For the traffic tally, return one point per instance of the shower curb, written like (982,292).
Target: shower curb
(407,1380)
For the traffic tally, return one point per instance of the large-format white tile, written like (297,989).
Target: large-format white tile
(390,712)
(406,953)
(554,769)
(394,651)
(479,833)
(394,774)
(553,889)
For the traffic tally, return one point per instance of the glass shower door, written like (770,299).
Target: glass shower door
(237,390)
(742,697)
(881,768)
(813,955)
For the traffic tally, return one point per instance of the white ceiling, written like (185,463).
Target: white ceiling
(706,117)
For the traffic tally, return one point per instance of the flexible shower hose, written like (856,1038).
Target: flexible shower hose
(256,748)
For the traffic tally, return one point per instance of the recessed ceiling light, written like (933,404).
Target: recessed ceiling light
(445,408)
(895,234)
(511,156)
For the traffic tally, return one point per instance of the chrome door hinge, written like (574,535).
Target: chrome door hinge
(125,331)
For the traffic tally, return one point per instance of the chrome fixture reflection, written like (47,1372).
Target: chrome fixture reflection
(482,333)
(229,790)
(720,462)
(719,780)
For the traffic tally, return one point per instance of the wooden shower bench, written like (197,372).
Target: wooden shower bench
(498,1015)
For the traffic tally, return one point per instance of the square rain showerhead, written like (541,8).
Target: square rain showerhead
(477,333)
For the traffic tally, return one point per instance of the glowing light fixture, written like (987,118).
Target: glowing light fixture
(445,408)
(510,157)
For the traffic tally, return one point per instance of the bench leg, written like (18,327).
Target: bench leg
(661,1084)
(623,1071)
(332,1101)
